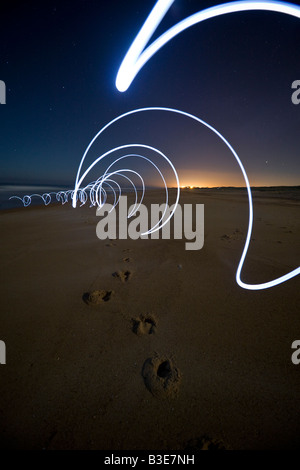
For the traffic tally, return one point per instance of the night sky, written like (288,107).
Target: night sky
(59,61)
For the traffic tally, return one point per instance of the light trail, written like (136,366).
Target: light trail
(95,193)
(80,179)
(137,56)
(242,284)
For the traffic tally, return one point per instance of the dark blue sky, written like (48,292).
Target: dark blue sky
(59,61)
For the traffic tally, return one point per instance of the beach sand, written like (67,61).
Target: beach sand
(140,344)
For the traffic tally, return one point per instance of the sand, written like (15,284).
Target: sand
(140,344)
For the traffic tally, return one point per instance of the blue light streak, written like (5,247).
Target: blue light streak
(137,56)
(242,284)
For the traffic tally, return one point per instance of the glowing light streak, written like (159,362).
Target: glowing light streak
(97,195)
(261,286)
(137,56)
(124,176)
(142,197)
(79,179)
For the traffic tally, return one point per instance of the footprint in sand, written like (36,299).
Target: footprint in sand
(124,276)
(161,376)
(127,260)
(111,244)
(144,325)
(204,443)
(236,235)
(225,237)
(96,297)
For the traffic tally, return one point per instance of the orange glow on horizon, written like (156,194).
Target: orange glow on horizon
(209,179)
(213,179)
(206,179)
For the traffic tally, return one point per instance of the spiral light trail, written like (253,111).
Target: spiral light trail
(136,57)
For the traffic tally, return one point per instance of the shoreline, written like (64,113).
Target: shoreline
(273,193)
